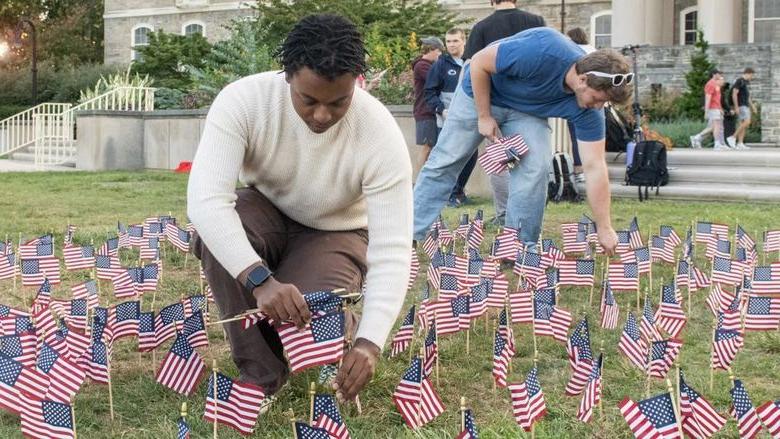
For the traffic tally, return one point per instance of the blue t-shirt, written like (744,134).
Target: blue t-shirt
(530,70)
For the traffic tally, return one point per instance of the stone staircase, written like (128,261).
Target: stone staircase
(27,155)
(705,174)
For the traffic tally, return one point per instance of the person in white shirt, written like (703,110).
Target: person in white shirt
(327,201)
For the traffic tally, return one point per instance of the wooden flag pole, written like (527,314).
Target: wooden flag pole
(110,390)
(533,324)
(712,353)
(468,338)
(293,421)
(18,262)
(436,332)
(214,371)
(73,417)
(492,378)
(462,413)
(312,392)
(675,406)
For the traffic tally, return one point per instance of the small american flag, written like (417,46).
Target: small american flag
(135,235)
(237,404)
(548,318)
(635,236)
(194,330)
(771,241)
(179,238)
(44,419)
(306,431)
(521,306)
(463,226)
(502,356)
(77,342)
(552,252)
(683,274)
(326,416)
(123,319)
(414,269)
(574,238)
(769,413)
(108,267)
(662,356)
(640,256)
(661,251)
(766,279)
(150,248)
(431,243)
(321,342)
(727,271)
(648,325)
(763,314)
(530,264)
(743,411)
(37,248)
(79,257)
(73,311)
(88,291)
(470,430)
(624,241)
(195,303)
(498,288)
(580,358)
(467,270)
(21,347)
(445,235)
(8,267)
(671,237)
(688,245)
(35,271)
(506,245)
(42,297)
(182,367)
(183,429)
(550,279)
(527,397)
(651,418)
(707,232)
(65,377)
(169,321)
(578,272)
(474,236)
(505,329)
(502,154)
(110,247)
(719,247)
(719,299)
(609,308)
(478,301)
(403,338)
(431,350)
(16,380)
(744,239)
(631,343)
(6,247)
(726,346)
(147,335)
(453,315)
(592,394)
(670,315)
(699,279)
(623,277)
(415,398)
(95,361)
(700,420)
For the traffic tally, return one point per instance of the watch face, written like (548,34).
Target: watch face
(258,275)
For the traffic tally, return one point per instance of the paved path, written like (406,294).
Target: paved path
(22,166)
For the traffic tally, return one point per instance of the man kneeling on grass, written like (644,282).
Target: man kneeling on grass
(327,201)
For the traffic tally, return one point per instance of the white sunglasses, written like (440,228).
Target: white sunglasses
(618,79)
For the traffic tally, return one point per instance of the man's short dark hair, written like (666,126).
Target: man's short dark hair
(330,45)
(606,61)
(749,70)
(578,35)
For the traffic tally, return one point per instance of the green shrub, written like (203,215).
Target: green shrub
(167,54)
(691,103)
(662,106)
(10,110)
(168,98)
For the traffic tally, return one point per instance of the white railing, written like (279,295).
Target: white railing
(18,131)
(55,133)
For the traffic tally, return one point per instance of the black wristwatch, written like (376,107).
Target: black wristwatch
(256,277)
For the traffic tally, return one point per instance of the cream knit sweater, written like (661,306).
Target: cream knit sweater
(355,175)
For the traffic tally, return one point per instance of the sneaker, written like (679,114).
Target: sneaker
(731,141)
(453,202)
(721,147)
(695,142)
(741,146)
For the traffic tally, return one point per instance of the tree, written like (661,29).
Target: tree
(166,56)
(691,102)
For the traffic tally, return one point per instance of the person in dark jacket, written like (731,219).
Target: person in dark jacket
(506,21)
(443,79)
(424,117)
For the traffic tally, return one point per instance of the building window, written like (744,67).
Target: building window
(601,29)
(140,37)
(192,29)
(766,20)
(689,25)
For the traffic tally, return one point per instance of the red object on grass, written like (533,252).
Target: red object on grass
(184,167)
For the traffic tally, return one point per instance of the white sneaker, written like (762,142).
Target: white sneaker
(695,142)
(721,147)
(741,146)
(731,141)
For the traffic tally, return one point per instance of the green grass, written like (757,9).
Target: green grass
(38,203)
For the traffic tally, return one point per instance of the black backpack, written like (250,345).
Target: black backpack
(561,185)
(648,167)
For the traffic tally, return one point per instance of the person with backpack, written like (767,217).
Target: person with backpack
(740,96)
(511,87)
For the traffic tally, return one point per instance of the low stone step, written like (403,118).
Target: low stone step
(758,157)
(711,174)
(30,158)
(696,192)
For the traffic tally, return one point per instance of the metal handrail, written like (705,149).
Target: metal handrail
(17,131)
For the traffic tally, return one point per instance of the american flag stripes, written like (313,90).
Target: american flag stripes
(110,247)
(108,267)
(726,345)
(707,232)
(578,272)
(44,419)
(592,395)
(660,250)
(21,347)
(463,226)
(719,299)
(771,241)
(414,269)
(527,397)
(670,316)
(530,264)
(640,256)
(763,314)
(470,430)
(610,310)
(521,305)
(403,338)
(624,241)
(35,271)
(505,329)
(505,245)
(16,380)
(574,238)
(73,311)
(682,278)
(431,350)
(306,431)
(769,413)
(720,247)
(635,236)
(88,291)
(479,298)
(474,236)
(168,321)
(452,315)
(415,398)
(194,330)
(744,239)
(65,376)
(8,266)
(498,288)
(123,319)
(37,248)
(662,356)
(698,279)
(502,356)
(651,418)
(648,324)
(321,342)
(326,416)
(671,237)
(631,343)
(766,279)
(237,404)
(580,358)
(147,335)
(182,367)
(431,243)
(727,271)
(150,248)
(552,252)
(179,238)
(135,235)
(743,411)
(79,257)
(699,418)
(95,361)
(183,429)
(623,277)
(548,318)
(500,155)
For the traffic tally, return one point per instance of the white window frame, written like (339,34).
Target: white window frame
(683,13)
(752,21)
(191,22)
(132,37)
(593,25)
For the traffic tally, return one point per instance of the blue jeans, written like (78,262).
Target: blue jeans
(459,139)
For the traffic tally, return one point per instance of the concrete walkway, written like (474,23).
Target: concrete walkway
(25,166)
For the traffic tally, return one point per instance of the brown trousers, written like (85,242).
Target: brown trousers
(310,259)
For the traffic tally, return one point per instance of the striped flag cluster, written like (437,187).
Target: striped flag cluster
(662,356)
(744,412)
(502,154)
(580,358)
(654,417)
(670,317)
(592,392)
(327,417)
(414,397)
(699,417)
(236,404)
(610,310)
(403,337)
(503,352)
(528,405)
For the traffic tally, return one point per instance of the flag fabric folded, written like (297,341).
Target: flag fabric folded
(623,277)
(182,367)
(194,329)
(574,238)
(640,256)
(45,419)
(726,346)
(123,319)
(743,412)
(610,310)
(21,347)
(670,316)
(527,398)
(708,232)
(498,287)
(403,337)
(79,257)
(415,398)
(592,395)
(506,245)
(648,325)
(502,154)
(169,321)
(548,318)
(700,420)
(88,291)
(18,383)
(502,356)
(321,342)
(431,350)
(147,335)
(414,269)
(580,358)
(237,404)
(65,376)
(110,247)
(8,266)
(660,250)
(671,237)
(651,418)
(631,343)
(635,235)
(769,413)
(662,356)
(326,416)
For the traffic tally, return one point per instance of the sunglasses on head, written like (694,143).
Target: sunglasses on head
(618,79)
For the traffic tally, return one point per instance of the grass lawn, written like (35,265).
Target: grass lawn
(39,203)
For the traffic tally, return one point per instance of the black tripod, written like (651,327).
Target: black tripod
(633,49)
